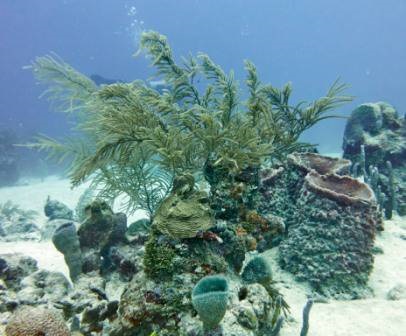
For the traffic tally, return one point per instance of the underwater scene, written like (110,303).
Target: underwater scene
(202,168)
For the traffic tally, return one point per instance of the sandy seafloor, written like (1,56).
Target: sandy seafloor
(375,316)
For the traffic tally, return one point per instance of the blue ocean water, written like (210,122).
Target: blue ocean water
(307,42)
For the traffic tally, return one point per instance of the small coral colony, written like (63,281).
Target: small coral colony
(221,180)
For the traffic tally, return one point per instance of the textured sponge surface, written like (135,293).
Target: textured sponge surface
(209,298)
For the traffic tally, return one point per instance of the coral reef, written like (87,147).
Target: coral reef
(99,244)
(374,135)
(29,321)
(146,303)
(151,147)
(25,284)
(89,304)
(13,268)
(258,270)
(398,292)
(158,259)
(85,307)
(330,243)
(42,286)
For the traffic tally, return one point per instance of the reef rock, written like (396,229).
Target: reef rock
(42,287)
(25,284)
(331,239)
(99,244)
(17,224)
(56,210)
(21,229)
(147,305)
(88,305)
(382,133)
(381,130)
(14,268)
(102,228)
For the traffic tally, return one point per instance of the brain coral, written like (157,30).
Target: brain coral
(35,321)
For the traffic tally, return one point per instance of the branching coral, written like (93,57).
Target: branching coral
(128,127)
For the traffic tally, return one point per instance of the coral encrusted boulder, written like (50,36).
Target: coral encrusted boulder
(381,131)
(102,228)
(330,241)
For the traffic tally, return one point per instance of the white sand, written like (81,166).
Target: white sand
(370,317)
(33,196)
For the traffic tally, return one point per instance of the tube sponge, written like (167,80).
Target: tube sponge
(209,298)
(30,321)
(66,241)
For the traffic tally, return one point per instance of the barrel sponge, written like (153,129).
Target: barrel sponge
(257,270)
(209,298)
(34,321)
(320,163)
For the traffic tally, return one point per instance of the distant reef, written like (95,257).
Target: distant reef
(9,172)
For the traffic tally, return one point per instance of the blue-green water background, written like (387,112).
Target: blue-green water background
(307,42)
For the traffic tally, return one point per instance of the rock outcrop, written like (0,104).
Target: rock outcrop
(374,135)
